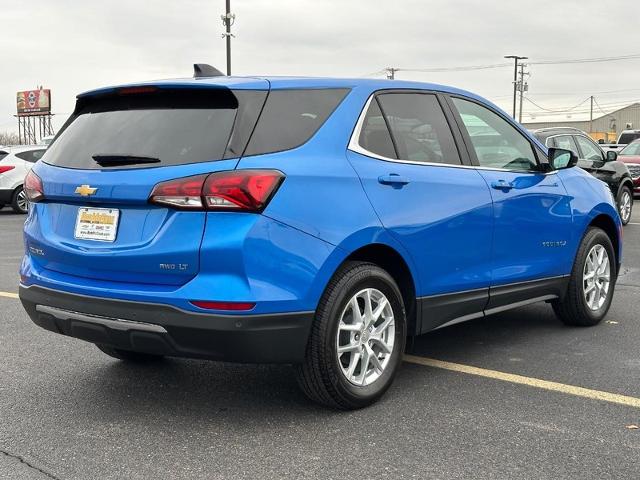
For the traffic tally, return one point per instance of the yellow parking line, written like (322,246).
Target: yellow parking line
(529,381)
(8,295)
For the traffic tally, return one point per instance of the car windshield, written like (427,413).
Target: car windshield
(631,149)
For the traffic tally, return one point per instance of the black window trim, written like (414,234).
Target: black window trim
(354,141)
(539,155)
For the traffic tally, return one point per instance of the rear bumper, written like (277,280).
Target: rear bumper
(167,330)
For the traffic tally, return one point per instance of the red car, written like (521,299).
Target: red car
(630,155)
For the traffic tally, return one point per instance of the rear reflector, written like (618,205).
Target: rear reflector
(33,187)
(235,306)
(6,168)
(235,190)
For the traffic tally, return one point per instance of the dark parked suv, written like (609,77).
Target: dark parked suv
(591,158)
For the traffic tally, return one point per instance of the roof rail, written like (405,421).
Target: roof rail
(203,70)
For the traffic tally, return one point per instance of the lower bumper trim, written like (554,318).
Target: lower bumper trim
(165,330)
(115,323)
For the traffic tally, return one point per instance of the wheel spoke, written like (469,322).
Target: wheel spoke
(350,327)
(364,366)
(368,314)
(382,344)
(375,361)
(353,363)
(355,307)
(352,347)
(379,309)
(384,325)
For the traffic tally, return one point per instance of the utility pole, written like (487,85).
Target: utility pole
(391,73)
(228,19)
(516,58)
(591,117)
(522,87)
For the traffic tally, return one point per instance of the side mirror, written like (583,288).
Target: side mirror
(612,155)
(560,158)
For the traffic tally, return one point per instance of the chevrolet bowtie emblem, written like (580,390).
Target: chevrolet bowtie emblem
(85,190)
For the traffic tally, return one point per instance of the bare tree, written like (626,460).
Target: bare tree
(9,138)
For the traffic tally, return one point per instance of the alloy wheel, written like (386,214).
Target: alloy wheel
(366,337)
(22,202)
(625,206)
(596,277)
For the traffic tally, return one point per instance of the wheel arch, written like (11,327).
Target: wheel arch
(626,182)
(610,227)
(390,260)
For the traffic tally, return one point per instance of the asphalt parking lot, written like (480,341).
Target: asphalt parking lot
(67,411)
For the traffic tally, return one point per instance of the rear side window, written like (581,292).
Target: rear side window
(419,128)
(374,136)
(291,117)
(3,154)
(171,127)
(31,156)
(565,142)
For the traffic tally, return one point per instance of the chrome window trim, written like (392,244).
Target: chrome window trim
(355,146)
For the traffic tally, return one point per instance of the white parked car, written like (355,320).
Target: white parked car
(15,163)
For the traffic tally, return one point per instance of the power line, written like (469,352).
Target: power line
(562,110)
(465,68)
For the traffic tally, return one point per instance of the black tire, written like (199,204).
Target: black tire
(624,194)
(18,200)
(573,308)
(320,375)
(129,356)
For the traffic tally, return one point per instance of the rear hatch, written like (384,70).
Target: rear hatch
(96,221)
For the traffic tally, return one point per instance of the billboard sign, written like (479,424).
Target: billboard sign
(34,102)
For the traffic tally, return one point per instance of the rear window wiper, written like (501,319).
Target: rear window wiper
(116,159)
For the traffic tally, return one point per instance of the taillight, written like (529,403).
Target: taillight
(6,168)
(33,187)
(235,190)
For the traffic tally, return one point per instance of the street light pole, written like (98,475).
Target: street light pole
(516,58)
(228,19)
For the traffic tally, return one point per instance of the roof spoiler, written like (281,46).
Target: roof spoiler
(203,70)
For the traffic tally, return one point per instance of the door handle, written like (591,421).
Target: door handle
(393,179)
(502,185)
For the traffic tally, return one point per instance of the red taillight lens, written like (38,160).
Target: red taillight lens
(247,190)
(33,187)
(236,190)
(180,193)
(6,168)
(236,306)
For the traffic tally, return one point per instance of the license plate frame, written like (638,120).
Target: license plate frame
(97,224)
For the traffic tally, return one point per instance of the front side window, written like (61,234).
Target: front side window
(419,128)
(497,143)
(590,151)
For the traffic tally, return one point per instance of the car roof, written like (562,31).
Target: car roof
(22,148)
(552,130)
(281,83)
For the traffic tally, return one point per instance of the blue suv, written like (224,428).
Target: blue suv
(317,222)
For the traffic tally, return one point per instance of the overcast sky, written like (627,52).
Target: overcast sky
(74,45)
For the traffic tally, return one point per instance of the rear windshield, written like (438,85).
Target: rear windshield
(628,137)
(170,127)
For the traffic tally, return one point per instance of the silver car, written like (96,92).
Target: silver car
(15,163)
